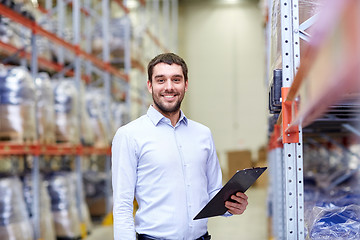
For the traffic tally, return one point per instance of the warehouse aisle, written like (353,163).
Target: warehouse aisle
(252,225)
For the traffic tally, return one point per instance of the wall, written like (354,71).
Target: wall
(224,47)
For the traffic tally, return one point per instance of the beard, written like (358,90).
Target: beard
(167,109)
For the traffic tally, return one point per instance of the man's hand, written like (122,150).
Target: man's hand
(238,204)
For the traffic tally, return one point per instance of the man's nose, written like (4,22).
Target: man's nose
(169,84)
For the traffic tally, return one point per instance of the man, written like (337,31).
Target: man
(168,162)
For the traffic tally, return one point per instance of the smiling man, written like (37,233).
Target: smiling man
(167,162)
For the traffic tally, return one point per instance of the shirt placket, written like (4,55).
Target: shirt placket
(187,182)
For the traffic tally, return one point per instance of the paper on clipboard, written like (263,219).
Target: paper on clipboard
(240,182)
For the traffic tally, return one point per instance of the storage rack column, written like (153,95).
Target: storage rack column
(292,137)
(287,160)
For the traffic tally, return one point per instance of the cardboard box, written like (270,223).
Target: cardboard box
(263,180)
(261,161)
(238,160)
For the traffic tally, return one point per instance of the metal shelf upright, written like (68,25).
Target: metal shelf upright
(286,159)
(333,45)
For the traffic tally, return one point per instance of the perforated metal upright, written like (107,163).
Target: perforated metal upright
(35,172)
(292,171)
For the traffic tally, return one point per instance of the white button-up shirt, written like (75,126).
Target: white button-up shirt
(173,172)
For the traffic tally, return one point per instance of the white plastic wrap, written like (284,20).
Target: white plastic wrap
(47,229)
(100,122)
(116,37)
(332,192)
(62,189)
(63,204)
(17,104)
(332,215)
(87,131)
(66,111)
(14,220)
(45,109)
(120,115)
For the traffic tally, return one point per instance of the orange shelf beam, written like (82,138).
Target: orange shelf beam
(9,13)
(7,149)
(120,3)
(43,62)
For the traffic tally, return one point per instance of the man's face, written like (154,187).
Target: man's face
(168,87)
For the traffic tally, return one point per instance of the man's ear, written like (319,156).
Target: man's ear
(149,86)
(186,85)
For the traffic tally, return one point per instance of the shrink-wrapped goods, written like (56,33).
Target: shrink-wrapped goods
(332,215)
(87,131)
(63,189)
(97,105)
(63,205)
(8,32)
(307,9)
(85,213)
(331,191)
(117,30)
(70,106)
(14,220)
(18,35)
(120,115)
(17,104)
(95,192)
(66,111)
(45,109)
(47,229)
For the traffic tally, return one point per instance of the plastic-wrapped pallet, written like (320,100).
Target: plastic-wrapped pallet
(120,115)
(87,131)
(95,191)
(47,229)
(45,109)
(334,215)
(116,37)
(85,213)
(66,111)
(331,191)
(17,104)
(62,189)
(14,220)
(96,106)
(70,103)
(63,205)
(8,32)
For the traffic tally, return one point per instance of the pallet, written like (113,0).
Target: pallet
(17,137)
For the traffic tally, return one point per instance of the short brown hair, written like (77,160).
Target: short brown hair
(168,58)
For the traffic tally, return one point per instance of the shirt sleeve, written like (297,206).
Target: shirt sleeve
(214,174)
(124,164)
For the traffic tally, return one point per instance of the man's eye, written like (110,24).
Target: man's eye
(176,79)
(161,80)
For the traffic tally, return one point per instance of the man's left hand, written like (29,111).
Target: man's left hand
(238,204)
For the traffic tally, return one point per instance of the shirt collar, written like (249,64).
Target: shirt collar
(155,116)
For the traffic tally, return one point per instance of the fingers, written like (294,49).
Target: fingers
(238,205)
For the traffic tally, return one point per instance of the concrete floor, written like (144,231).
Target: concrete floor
(252,225)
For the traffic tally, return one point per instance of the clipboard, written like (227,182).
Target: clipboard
(240,182)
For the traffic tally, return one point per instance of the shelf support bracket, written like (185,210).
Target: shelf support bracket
(290,135)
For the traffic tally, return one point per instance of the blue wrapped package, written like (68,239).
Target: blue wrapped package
(17,104)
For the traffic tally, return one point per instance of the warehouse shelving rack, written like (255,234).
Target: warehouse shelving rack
(335,27)
(285,159)
(98,65)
